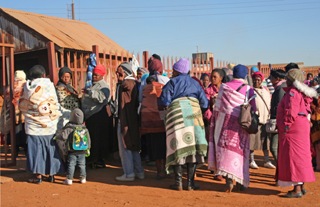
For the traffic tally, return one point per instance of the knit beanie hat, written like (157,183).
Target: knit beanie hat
(295,74)
(182,66)
(254,69)
(64,70)
(291,66)
(76,116)
(142,70)
(155,65)
(240,71)
(100,69)
(127,68)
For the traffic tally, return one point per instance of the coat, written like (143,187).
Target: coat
(128,116)
(294,158)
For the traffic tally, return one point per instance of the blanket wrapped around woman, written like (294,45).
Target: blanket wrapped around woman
(229,143)
(185,132)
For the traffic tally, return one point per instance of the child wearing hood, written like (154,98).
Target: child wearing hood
(74,144)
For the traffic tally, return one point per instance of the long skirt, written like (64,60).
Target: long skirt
(156,145)
(43,156)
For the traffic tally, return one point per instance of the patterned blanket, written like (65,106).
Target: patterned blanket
(184,130)
(228,141)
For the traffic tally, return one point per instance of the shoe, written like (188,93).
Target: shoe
(253,165)
(124,178)
(35,180)
(83,180)
(67,182)
(51,179)
(269,165)
(140,176)
(292,194)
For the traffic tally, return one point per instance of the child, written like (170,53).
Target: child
(77,144)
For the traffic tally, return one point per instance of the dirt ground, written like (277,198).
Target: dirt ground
(102,190)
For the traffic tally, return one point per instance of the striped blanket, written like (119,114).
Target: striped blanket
(184,130)
(228,141)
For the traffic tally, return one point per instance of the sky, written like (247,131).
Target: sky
(236,31)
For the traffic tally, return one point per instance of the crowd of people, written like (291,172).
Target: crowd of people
(179,122)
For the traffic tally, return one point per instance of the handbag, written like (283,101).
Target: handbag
(271,126)
(248,119)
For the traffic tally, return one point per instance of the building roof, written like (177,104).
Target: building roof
(66,33)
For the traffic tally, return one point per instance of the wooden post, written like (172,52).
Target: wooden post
(51,61)
(145,57)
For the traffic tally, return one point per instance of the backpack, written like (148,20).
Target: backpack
(79,139)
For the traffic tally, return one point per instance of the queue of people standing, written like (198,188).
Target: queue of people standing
(184,123)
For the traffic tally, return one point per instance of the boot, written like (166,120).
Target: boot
(177,177)
(191,171)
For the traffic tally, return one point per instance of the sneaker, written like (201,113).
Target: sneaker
(124,178)
(140,176)
(83,180)
(67,182)
(253,165)
(269,165)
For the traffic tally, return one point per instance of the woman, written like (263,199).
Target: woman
(40,107)
(263,99)
(152,123)
(294,161)
(94,103)
(218,76)
(129,140)
(186,144)
(278,82)
(229,143)
(205,80)
(67,94)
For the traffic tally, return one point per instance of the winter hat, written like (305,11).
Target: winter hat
(127,68)
(291,66)
(240,71)
(155,65)
(76,116)
(64,70)
(20,75)
(254,69)
(182,66)
(258,74)
(142,70)
(100,69)
(295,74)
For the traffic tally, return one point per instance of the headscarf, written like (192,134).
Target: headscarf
(155,65)
(258,74)
(100,69)
(68,86)
(64,70)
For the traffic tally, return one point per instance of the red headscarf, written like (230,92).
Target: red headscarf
(258,74)
(100,69)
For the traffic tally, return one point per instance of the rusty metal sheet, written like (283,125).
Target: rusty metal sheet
(65,33)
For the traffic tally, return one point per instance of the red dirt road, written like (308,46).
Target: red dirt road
(102,190)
